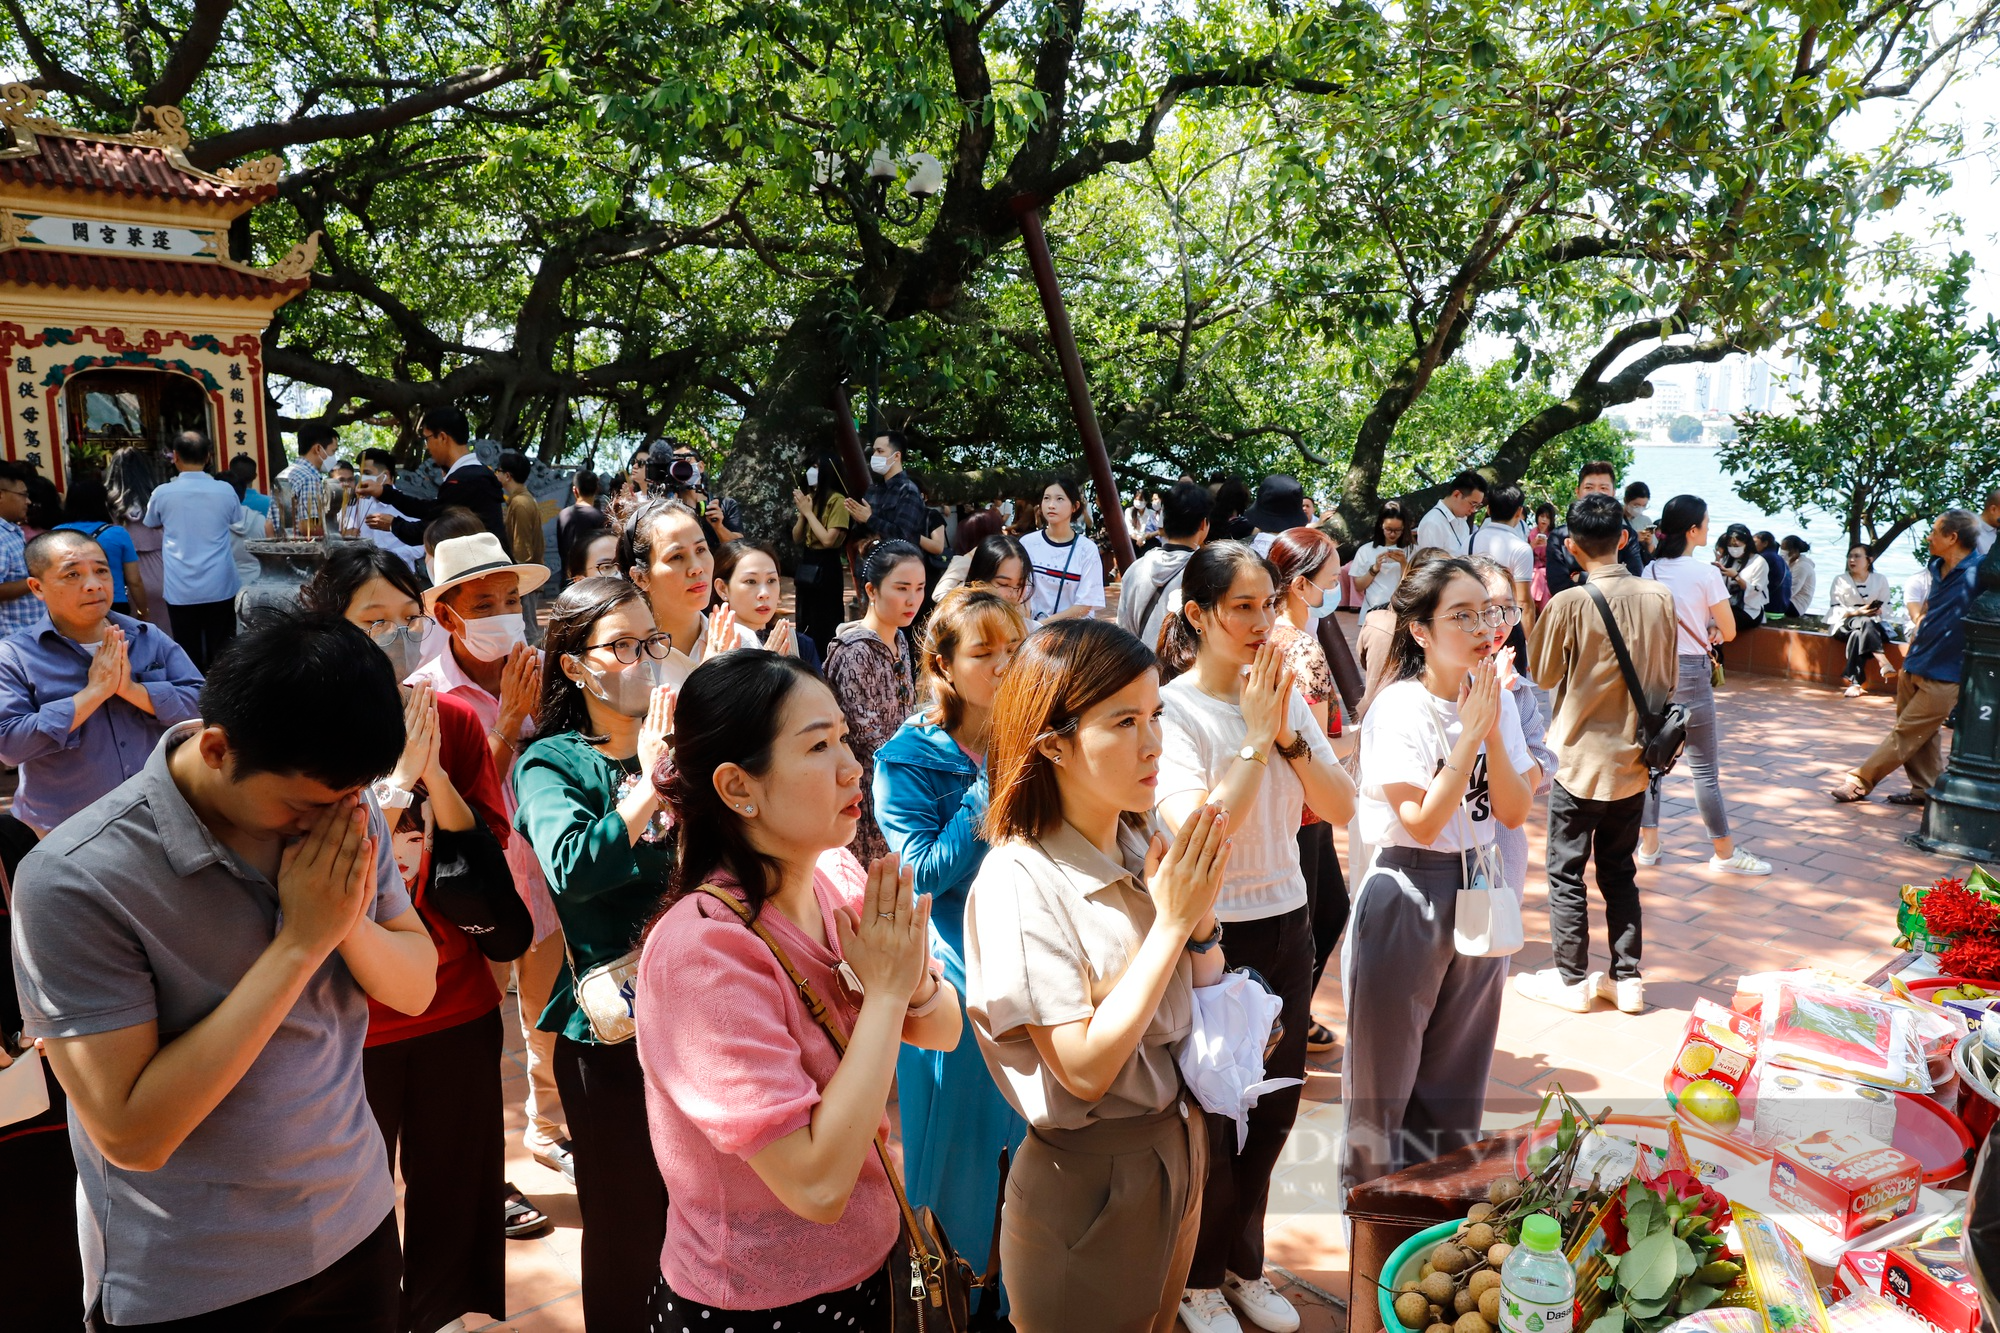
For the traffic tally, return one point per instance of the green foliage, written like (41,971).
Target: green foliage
(1900,417)
(1684,429)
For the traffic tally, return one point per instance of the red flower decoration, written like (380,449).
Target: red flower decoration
(1971,957)
(1948,909)
(1695,1198)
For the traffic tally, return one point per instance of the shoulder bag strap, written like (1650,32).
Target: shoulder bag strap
(1630,672)
(818,1010)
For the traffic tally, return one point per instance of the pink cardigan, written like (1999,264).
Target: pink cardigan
(734,1062)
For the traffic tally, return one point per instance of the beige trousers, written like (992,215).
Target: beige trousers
(1099,1225)
(1913,743)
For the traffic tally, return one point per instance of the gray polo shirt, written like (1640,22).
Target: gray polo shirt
(132,910)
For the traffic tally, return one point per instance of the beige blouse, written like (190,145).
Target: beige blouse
(1050,926)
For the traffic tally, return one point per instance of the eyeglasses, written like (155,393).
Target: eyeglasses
(605,567)
(1475,622)
(416,627)
(628,649)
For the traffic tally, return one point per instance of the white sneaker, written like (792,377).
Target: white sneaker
(1645,858)
(1548,987)
(1203,1310)
(1740,864)
(1628,993)
(1260,1303)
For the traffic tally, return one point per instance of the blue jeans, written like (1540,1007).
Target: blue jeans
(1695,691)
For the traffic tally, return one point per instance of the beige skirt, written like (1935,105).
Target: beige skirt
(1099,1224)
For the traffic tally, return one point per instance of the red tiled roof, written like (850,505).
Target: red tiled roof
(119,168)
(60,268)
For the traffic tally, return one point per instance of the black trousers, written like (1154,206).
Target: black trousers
(438,1097)
(1326,892)
(821,599)
(1864,640)
(1239,1181)
(1608,831)
(201,628)
(618,1186)
(356,1293)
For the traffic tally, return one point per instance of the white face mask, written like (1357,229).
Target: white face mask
(493,637)
(326,465)
(404,648)
(1737,549)
(812,476)
(628,691)
(879,465)
(1315,614)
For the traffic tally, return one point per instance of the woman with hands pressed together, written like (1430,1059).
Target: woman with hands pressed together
(930,803)
(665,552)
(1239,736)
(589,809)
(764,1130)
(747,582)
(1443,762)
(1085,940)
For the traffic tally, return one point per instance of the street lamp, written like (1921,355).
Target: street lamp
(837,180)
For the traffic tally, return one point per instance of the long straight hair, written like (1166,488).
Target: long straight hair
(1206,579)
(965,614)
(1064,669)
(1415,602)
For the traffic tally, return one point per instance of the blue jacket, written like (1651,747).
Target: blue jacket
(1938,651)
(1780,582)
(930,800)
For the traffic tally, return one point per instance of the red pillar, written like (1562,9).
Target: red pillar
(1064,338)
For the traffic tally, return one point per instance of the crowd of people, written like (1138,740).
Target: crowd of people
(962,842)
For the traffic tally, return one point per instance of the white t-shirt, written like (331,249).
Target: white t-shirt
(1068,575)
(1202,736)
(1387,574)
(1698,587)
(1401,743)
(1502,542)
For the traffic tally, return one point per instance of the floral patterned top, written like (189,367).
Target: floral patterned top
(872,683)
(1308,663)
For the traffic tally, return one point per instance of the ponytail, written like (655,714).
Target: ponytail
(1205,580)
(1682,515)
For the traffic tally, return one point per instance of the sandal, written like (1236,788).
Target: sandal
(1849,793)
(1853,692)
(1907,798)
(523,1219)
(1320,1038)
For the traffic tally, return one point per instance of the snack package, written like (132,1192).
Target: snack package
(1847,1183)
(1793,1104)
(1933,1282)
(1719,1319)
(1868,1312)
(1718,1045)
(1835,1030)
(1859,1271)
(1777,1281)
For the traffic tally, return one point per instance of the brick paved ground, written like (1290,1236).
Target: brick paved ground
(1830,901)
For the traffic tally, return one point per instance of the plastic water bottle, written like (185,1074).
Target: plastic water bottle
(1537,1288)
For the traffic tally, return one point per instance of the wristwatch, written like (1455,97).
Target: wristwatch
(1253,754)
(1203,946)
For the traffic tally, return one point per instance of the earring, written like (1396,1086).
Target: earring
(749,809)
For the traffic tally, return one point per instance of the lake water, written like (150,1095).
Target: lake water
(1672,471)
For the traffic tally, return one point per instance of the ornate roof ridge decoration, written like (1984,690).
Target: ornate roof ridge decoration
(163,128)
(294,264)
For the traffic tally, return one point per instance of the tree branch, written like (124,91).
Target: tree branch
(50,76)
(191,54)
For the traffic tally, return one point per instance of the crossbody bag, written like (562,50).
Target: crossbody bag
(930,1287)
(1662,735)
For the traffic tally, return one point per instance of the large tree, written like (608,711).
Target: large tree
(1898,420)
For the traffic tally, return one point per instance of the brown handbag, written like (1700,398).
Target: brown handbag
(930,1287)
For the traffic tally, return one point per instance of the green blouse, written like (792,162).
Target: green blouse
(605,887)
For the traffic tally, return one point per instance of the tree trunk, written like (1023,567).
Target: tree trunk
(1360,494)
(790,424)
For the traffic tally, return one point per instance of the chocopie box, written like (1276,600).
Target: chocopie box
(1933,1282)
(1847,1183)
(1859,1271)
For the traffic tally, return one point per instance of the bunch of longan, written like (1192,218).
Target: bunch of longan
(1458,1288)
